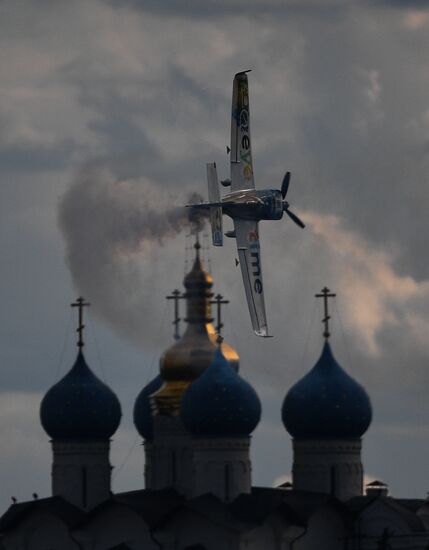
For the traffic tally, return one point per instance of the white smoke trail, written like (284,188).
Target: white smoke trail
(110,228)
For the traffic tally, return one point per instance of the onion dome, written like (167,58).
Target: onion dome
(327,403)
(190,356)
(228,351)
(143,419)
(220,403)
(80,406)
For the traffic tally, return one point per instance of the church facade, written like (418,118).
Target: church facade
(196,418)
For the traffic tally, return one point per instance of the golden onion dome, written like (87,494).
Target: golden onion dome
(198,279)
(227,351)
(189,357)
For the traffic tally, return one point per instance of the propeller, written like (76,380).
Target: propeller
(294,217)
(285,184)
(284,190)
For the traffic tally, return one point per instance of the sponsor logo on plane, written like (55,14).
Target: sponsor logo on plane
(243,120)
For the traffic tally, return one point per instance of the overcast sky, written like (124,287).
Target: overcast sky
(109,112)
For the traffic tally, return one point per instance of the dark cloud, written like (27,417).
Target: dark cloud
(241,8)
(403,4)
(123,119)
(33,158)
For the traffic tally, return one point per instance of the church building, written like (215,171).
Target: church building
(196,418)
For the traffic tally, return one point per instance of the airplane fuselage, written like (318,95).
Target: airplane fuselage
(250,204)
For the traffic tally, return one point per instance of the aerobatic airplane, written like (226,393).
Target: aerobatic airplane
(245,205)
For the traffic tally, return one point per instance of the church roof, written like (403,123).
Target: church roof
(260,503)
(152,506)
(302,504)
(403,507)
(215,510)
(327,403)
(56,506)
(142,414)
(220,403)
(250,510)
(412,504)
(159,508)
(80,406)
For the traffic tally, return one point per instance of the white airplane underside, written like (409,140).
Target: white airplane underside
(245,205)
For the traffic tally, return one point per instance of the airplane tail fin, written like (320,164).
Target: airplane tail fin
(215,211)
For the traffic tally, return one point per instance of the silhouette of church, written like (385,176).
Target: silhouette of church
(196,418)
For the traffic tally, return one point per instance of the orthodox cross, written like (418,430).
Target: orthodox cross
(80,304)
(197,245)
(325,293)
(218,300)
(175,295)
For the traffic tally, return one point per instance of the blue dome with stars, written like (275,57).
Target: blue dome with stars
(220,403)
(80,406)
(143,419)
(327,403)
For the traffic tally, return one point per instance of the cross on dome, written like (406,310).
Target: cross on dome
(176,296)
(197,245)
(325,293)
(219,301)
(80,304)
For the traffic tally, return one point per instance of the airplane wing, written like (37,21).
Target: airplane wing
(246,232)
(241,147)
